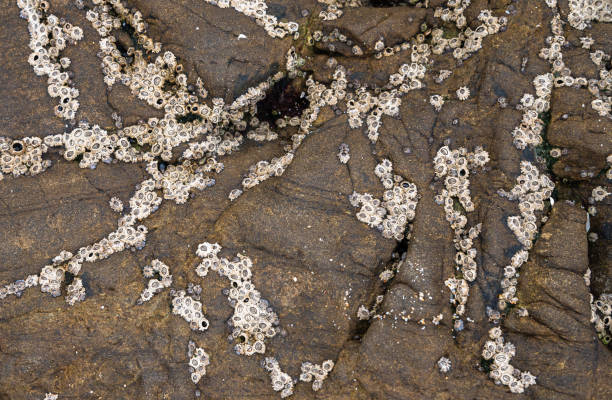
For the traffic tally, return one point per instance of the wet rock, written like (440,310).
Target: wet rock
(313,260)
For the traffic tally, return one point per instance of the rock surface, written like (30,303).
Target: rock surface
(313,260)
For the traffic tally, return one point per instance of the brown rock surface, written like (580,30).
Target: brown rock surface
(313,260)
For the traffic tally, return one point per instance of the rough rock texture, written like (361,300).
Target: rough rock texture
(313,259)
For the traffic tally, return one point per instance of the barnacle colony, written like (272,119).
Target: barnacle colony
(217,129)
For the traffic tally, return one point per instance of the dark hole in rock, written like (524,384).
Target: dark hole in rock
(360,329)
(68,277)
(486,365)
(167,86)
(161,166)
(127,28)
(189,117)
(283,99)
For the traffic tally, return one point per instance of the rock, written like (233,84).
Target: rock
(314,261)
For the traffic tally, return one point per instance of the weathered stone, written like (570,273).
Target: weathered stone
(313,260)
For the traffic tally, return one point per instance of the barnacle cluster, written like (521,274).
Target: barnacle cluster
(583,12)
(469,40)
(454,167)
(387,103)
(177,181)
(453,12)
(155,285)
(281,381)
(510,279)
(316,373)
(529,132)
(91,144)
(363,313)
(332,40)
(264,170)
(502,372)
(397,208)
(531,190)
(22,156)
(257,9)
(601,317)
(198,361)
(562,74)
(333,9)
(190,309)
(253,320)
(49,35)
(75,292)
(16,288)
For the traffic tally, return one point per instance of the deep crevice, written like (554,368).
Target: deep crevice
(381,288)
(285,98)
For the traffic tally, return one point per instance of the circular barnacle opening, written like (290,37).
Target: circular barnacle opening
(242,338)
(17,146)
(204,324)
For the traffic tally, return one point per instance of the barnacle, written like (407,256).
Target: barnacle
(454,167)
(316,373)
(281,382)
(444,364)
(393,214)
(463,93)
(155,285)
(49,35)
(198,361)
(253,320)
